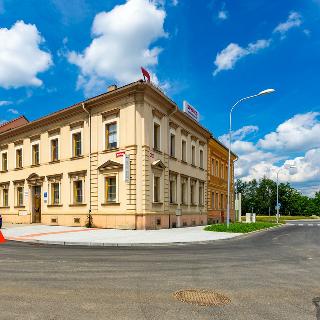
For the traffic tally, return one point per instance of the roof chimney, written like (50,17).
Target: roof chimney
(112,88)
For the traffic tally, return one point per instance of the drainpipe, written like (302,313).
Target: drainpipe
(89,115)
(170,114)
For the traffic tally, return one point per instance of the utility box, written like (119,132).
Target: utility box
(250,217)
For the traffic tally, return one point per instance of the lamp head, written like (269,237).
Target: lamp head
(267,91)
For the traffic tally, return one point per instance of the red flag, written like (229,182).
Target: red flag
(145,74)
(2,239)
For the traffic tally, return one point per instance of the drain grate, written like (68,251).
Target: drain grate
(201,297)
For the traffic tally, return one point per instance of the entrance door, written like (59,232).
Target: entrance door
(36,204)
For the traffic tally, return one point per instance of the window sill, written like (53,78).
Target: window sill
(157,203)
(77,205)
(111,204)
(184,162)
(5,207)
(157,151)
(54,161)
(21,207)
(110,150)
(202,169)
(173,158)
(77,157)
(54,205)
(4,171)
(173,204)
(193,205)
(193,165)
(35,165)
(20,168)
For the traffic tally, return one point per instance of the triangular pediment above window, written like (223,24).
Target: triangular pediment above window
(158,164)
(110,165)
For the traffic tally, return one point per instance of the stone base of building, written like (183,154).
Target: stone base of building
(116,221)
(219,216)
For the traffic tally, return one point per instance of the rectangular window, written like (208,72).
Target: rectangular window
(156,136)
(76,144)
(184,150)
(111,136)
(221,171)
(77,192)
(192,189)
(156,189)
(217,168)
(18,158)
(172,145)
(5,197)
(193,155)
(173,191)
(201,159)
(201,188)
(55,193)
(20,196)
(111,189)
(35,154)
(212,200)
(183,192)
(54,150)
(212,167)
(217,201)
(221,202)
(4,160)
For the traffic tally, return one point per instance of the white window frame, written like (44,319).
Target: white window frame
(1,153)
(50,193)
(173,132)
(83,190)
(77,130)
(53,138)
(160,188)
(106,122)
(108,175)
(195,154)
(173,178)
(186,157)
(158,122)
(203,158)
(31,151)
(15,155)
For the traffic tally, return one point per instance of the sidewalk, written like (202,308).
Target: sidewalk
(109,237)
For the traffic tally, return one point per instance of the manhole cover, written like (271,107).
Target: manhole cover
(201,297)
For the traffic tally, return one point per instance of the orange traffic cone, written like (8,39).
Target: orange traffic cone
(2,239)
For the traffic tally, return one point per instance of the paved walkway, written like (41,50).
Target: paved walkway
(109,237)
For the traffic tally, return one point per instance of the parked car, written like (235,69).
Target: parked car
(0,221)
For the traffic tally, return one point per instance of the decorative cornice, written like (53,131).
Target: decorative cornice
(110,113)
(158,113)
(76,124)
(185,132)
(173,125)
(54,132)
(80,173)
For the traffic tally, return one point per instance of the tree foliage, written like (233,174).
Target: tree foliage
(261,198)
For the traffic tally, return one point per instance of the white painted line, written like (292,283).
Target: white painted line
(300,224)
(310,224)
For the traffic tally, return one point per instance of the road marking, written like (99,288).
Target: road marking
(310,224)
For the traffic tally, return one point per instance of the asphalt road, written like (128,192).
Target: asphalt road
(269,275)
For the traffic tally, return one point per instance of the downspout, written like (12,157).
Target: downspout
(170,114)
(89,115)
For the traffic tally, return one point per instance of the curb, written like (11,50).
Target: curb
(108,244)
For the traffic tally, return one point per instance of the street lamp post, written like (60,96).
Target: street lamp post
(264,92)
(286,167)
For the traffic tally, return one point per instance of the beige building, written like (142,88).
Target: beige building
(129,157)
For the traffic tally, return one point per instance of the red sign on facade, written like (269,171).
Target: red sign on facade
(120,154)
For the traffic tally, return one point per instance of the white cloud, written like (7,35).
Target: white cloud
(301,132)
(228,57)
(223,15)
(297,135)
(13,111)
(5,103)
(21,58)
(123,41)
(294,20)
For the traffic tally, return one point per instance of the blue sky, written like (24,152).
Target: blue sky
(54,53)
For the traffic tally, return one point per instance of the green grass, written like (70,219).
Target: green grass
(282,218)
(240,227)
